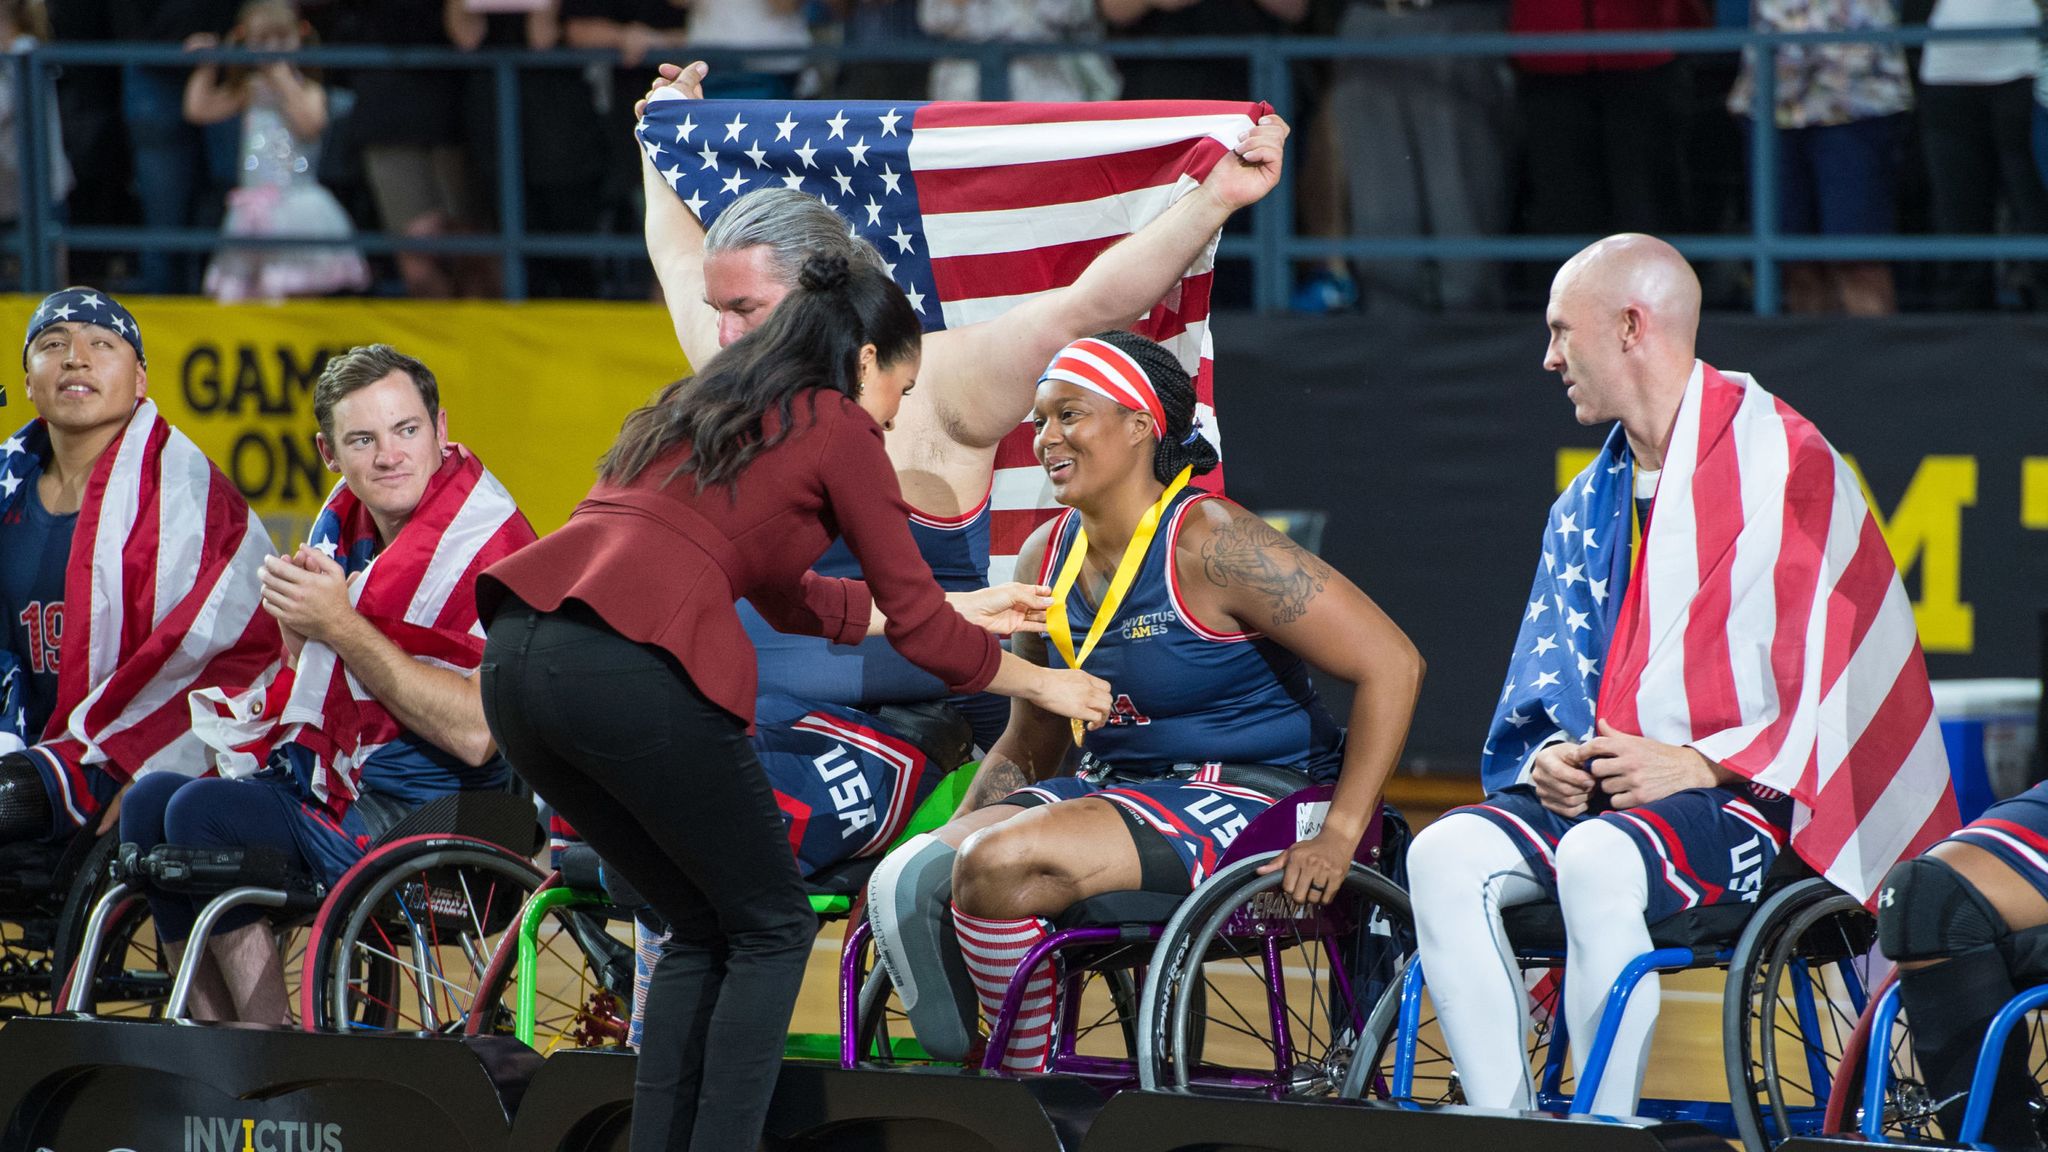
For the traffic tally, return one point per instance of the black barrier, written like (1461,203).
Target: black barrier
(582,1102)
(73,1085)
(821,1107)
(1433,444)
(1173,1122)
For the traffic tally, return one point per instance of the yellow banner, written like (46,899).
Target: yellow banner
(536,389)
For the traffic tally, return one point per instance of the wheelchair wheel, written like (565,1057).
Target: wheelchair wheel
(404,939)
(583,990)
(1249,992)
(1798,980)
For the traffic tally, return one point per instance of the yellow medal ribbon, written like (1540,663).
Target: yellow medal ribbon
(1056,624)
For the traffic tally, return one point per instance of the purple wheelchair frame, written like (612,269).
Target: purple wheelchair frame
(1270,831)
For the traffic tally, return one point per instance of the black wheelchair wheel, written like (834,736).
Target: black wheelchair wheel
(1797,981)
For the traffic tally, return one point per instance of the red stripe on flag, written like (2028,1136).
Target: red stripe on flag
(1809,504)
(970,114)
(1865,581)
(140,551)
(1015,273)
(1717,502)
(1010,527)
(1871,765)
(1039,184)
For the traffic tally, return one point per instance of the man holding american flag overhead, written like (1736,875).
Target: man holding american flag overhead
(1012,228)
(109,511)
(1717,661)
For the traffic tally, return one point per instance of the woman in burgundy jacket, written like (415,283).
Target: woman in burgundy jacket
(619,682)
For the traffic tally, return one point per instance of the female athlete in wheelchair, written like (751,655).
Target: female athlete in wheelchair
(1204,619)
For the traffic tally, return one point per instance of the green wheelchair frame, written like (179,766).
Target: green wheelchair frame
(937,809)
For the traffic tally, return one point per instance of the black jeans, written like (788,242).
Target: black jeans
(1978,141)
(665,785)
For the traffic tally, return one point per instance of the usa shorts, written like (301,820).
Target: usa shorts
(1196,816)
(1700,847)
(2015,831)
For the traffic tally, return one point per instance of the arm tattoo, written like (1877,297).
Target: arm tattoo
(997,778)
(1250,553)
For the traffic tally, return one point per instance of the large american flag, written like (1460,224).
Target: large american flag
(1765,625)
(975,208)
(420,592)
(161,595)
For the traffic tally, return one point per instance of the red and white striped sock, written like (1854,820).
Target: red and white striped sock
(993,949)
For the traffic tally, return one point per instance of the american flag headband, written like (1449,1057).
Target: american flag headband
(1109,371)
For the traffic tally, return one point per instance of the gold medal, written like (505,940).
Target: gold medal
(1056,624)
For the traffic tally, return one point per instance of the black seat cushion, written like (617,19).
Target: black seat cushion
(1112,909)
(1540,927)
(936,727)
(2027,952)
(846,878)
(491,815)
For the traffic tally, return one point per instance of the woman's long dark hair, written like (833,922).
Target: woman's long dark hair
(1182,445)
(812,340)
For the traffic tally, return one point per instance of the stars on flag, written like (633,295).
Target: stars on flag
(853,158)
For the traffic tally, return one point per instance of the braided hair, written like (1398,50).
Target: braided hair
(1182,445)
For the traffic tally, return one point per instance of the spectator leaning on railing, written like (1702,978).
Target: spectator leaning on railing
(174,161)
(407,124)
(1067,76)
(561,140)
(1976,127)
(20,30)
(1839,111)
(1426,147)
(1605,141)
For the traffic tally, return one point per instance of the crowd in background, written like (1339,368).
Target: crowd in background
(1874,139)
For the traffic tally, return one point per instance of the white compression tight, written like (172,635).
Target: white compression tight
(1463,870)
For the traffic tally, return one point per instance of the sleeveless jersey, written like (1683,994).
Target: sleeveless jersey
(1185,694)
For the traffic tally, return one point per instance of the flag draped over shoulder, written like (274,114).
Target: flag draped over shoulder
(162,594)
(1766,627)
(975,208)
(420,592)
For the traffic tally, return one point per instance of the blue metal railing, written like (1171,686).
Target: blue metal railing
(1272,247)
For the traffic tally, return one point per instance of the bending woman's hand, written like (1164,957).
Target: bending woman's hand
(1072,693)
(1005,608)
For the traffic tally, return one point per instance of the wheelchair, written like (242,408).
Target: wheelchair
(399,942)
(1233,988)
(1799,966)
(1879,1093)
(48,891)
(565,978)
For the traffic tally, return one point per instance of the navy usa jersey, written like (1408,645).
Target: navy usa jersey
(1184,693)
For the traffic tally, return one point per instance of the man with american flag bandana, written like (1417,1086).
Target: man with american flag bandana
(1717,661)
(108,511)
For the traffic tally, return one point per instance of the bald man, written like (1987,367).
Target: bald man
(1638,763)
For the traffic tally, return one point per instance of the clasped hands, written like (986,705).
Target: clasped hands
(1630,770)
(307,594)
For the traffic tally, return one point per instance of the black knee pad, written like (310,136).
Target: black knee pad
(24,804)
(1927,911)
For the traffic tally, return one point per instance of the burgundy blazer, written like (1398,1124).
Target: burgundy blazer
(663,563)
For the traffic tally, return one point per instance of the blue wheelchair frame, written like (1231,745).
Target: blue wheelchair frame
(1715,1115)
(1878,1069)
